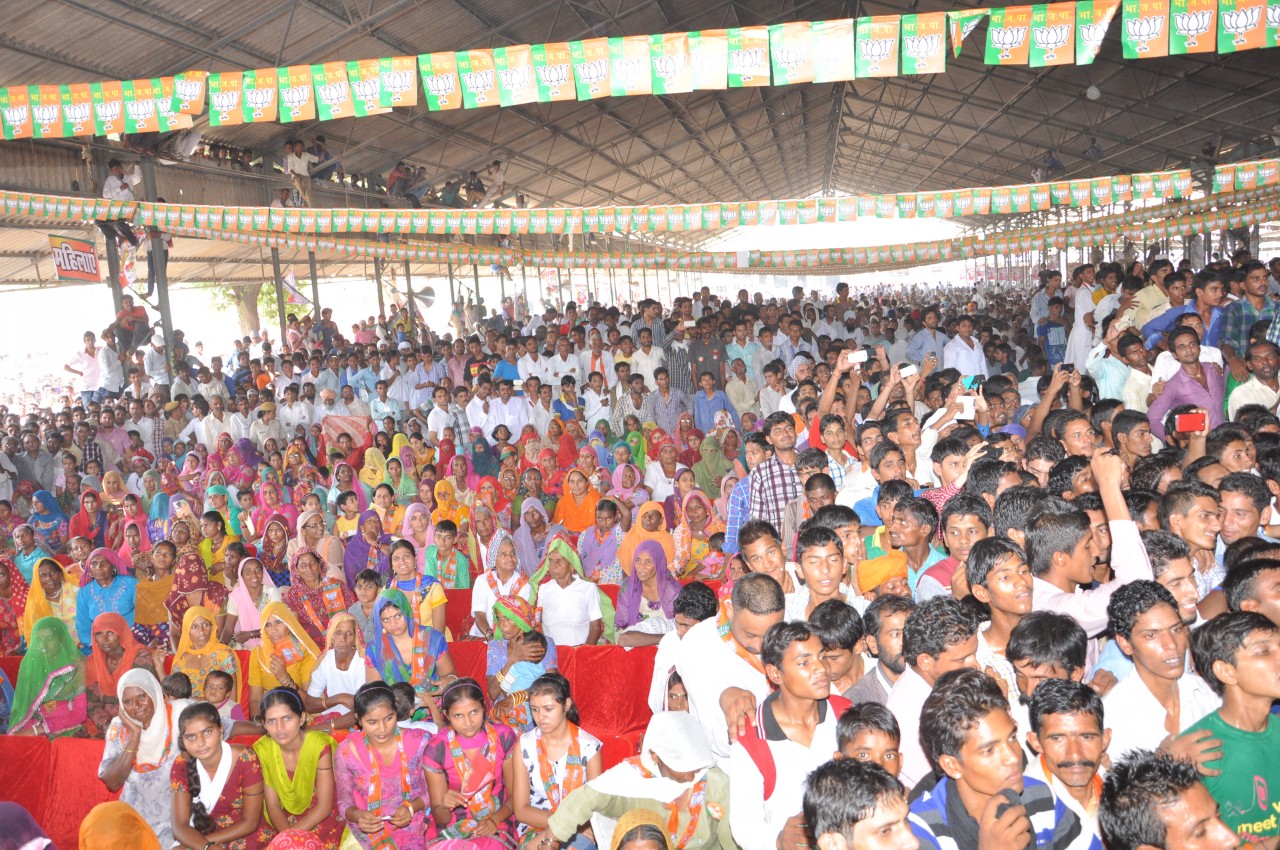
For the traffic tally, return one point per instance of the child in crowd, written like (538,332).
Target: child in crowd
(217,690)
(176,686)
(409,715)
(348,522)
(869,732)
(368,586)
(447,565)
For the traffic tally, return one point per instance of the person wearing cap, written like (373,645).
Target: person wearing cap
(267,427)
(675,773)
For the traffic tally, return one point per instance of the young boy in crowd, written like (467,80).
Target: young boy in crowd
(176,686)
(449,566)
(854,805)
(840,629)
(347,525)
(886,498)
(869,732)
(217,690)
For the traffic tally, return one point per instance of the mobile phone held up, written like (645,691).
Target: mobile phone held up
(1186,423)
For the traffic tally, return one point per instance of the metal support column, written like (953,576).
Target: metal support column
(377,279)
(524,283)
(413,308)
(275,268)
(100,174)
(452,297)
(158,256)
(315,285)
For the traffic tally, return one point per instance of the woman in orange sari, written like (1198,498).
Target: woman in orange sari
(576,509)
(650,524)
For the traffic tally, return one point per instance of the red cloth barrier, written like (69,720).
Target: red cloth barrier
(10,664)
(456,610)
(74,788)
(25,771)
(610,686)
(469,659)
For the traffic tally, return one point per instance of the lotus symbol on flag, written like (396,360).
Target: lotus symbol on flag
(745,62)
(516,78)
(140,110)
(78,114)
(478,82)
(629,71)
(332,95)
(553,76)
(1093,34)
(186,90)
(669,66)
(367,90)
(1143,30)
(1191,25)
(1240,21)
(227,101)
(441,85)
(876,50)
(1273,19)
(922,46)
(1049,39)
(788,57)
(1008,38)
(45,115)
(258,100)
(108,111)
(396,82)
(592,73)
(295,97)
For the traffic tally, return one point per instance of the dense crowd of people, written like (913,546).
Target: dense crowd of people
(950,569)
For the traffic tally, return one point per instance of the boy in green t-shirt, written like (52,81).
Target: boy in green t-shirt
(1238,654)
(444,562)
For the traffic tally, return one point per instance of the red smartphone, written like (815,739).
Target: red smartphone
(1185,423)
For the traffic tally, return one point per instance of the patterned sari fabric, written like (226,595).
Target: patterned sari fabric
(314,606)
(49,698)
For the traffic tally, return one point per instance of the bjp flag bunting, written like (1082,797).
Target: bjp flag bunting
(1243,25)
(876,46)
(833,55)
(226,91)
(297,102)
(108,107)
(478,77)
(748,57)
(791,53)
(365,79)
(260,95)
(924,49)
(591,68)
(439,72)
(1093,17)
(1009,36)
(398,86)
(514,68)
(1145,28)
(961,24)
(188,92)
(630,70)
(1195,24)
(709,53)
(1053,31)
(553,72)
(332,91)
(671,65)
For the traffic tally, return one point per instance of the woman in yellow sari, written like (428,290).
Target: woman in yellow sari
(374,469)
(447,505)
(286,657)
(200,652)
(52,593)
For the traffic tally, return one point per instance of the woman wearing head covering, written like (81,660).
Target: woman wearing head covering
(536,531)
(576,510)
(52,594)
(315,596)
(726,490)
(285,657)
(13,604)
(646,603)
(273,548)
(517,654)
(403,651)
(116,826)
(158,517)
(48,521)
(254,591)
(20,830)
(271,503)
(628,487)
(447,505)
(552,472)
(150,616)
(142,744)
(673,506)
(90,521)
(402,485)
(200,651)
(111,589)
(115,653)
(574,611)
(697,524)
(481,530)
(113,489)
(313,535)
(341,671)
(373,471)
(49,699)
(490,494)
(639,446)
(368,549)
(650,525)
(712,467)
(192,586)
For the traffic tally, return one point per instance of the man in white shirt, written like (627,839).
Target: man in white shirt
(84,365)
(154,363)
(119,187)
(721,667)
(110,368)
(647,358)
(596,359)
(479,406)
(241,420)
(564,363)
(328,406)
(570,604)
(595,400)
(217,423)
(295,412)
(540,412)
(1152,706)
(298,163)
(963,353)
(438,419)
(209,386)
(138,421)
(939,635)
(355,405)
(507,410)
(532,364)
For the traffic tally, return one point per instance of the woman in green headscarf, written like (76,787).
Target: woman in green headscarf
(150,488)
(713,467)
(563,567)
(639,448)
(49,699)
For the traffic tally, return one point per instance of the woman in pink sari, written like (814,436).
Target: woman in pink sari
(271,503)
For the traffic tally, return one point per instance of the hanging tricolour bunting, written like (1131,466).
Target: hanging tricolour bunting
(748,57)
(833,59)
(791,53)
(260,95)
(671,66)
(1145,28)
(478,78)
(629,66)
(439,73)
(553,72)
(296,100)
(15,112)
(1008,36)
(961,24)
(1242,25)
(514,68)
(77,109)
(1093,17)
(591,68)
(1053,28)
(877,46)
(924,43)
(709,53)
(1195,26)
(365,79)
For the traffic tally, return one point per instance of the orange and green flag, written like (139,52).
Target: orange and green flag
(553,72)
(1093,17)
(833,55)
(1242,25)
(516,81)
(1145,28)
(439,73)
(877,46)
(961,23)
(1053,30)
(629,66)
(478,77)
(709,53)
(591,68)
(1195,26)
(1009,36)
(924,43)
(791,53)
(670,64)
(748,57)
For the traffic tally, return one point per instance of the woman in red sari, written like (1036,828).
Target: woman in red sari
(314,597)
